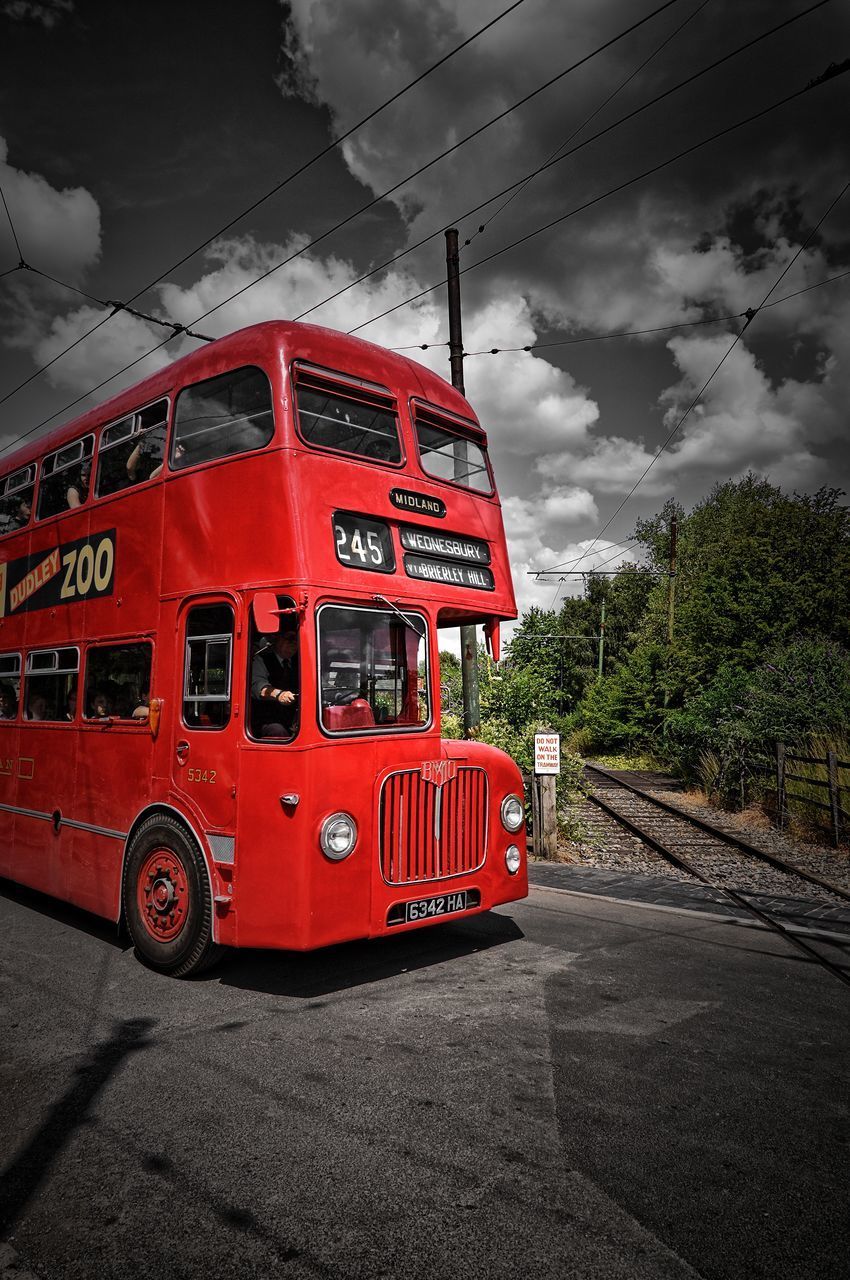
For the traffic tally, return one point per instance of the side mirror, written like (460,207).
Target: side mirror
(266,612)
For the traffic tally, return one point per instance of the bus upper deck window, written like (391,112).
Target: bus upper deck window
(355,424)
(65,478)
(132,449)
(16,494)
(450,455)
(223,416)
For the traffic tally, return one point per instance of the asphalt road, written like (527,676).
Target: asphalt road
(567,1088)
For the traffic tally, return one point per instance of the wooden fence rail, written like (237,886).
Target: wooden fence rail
(839,816)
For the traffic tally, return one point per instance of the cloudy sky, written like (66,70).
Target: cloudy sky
(132,134)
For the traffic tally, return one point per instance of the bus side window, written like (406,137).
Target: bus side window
(65,478)
(132,450)
(222,416)
(207,669)
(331,420)
(16,494)
(50,688)
(274,663)
(118,682)
(10,685)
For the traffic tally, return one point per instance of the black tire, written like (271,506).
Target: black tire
(166,899)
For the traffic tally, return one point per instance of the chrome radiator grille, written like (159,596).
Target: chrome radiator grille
(432,830)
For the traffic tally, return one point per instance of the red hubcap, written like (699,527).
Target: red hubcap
(162,893)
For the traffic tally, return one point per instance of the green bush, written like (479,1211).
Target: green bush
(725,737)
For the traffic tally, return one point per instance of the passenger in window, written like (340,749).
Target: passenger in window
(71,706)
(37,709)
(77,489)
(145,462)
(8,702)
(101,707)
(142,711)
(275,685)
(24,509)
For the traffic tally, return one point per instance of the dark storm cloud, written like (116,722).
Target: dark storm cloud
(209,124)
(45,12)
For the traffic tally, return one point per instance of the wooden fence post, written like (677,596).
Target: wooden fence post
(780,784)
(832,773)
(549,815)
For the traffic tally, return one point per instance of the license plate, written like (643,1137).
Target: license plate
(428,908)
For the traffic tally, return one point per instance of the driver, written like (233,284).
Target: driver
(275,685)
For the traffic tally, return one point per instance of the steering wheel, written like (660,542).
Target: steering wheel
(345,697)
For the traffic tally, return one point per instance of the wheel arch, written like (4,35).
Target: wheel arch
(167,810)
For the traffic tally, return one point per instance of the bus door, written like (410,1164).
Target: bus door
(207,728)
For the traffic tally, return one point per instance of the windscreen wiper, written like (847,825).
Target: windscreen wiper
(407,622)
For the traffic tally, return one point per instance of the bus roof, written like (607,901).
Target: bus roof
(329,347)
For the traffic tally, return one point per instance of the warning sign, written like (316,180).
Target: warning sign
(547,753)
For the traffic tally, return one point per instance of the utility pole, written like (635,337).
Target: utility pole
(468,637)
(671,579)
(601,643)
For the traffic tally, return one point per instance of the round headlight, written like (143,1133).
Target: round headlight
(513,813)
(338,836)
(512,859)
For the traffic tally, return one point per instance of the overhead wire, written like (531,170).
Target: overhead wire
(579,573)
(521,102)
(578,129)
(114,308)
(739,124)
(335,142)
(615,124)
(738,336)
(815,83)
(565,564)
(687,151)
(364,208)
(630,333)
(12,227)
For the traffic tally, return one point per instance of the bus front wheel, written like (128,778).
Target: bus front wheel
(167,901)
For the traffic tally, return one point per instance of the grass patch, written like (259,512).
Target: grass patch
(640,761)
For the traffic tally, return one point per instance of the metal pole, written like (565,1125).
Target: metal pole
(671,578)
(601,643)
(468,636)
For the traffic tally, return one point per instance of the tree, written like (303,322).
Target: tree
(755,566)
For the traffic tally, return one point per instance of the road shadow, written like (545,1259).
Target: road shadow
(305,974)
(356,964)
(65,913)
(22,1178)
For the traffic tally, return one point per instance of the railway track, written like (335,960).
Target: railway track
(741,871)
(701,848)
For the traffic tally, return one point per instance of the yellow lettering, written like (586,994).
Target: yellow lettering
(69,560)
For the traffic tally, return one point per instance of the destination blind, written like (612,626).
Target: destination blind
(451,572)
(447,546)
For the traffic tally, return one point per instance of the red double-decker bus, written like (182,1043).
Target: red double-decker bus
(220,601)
